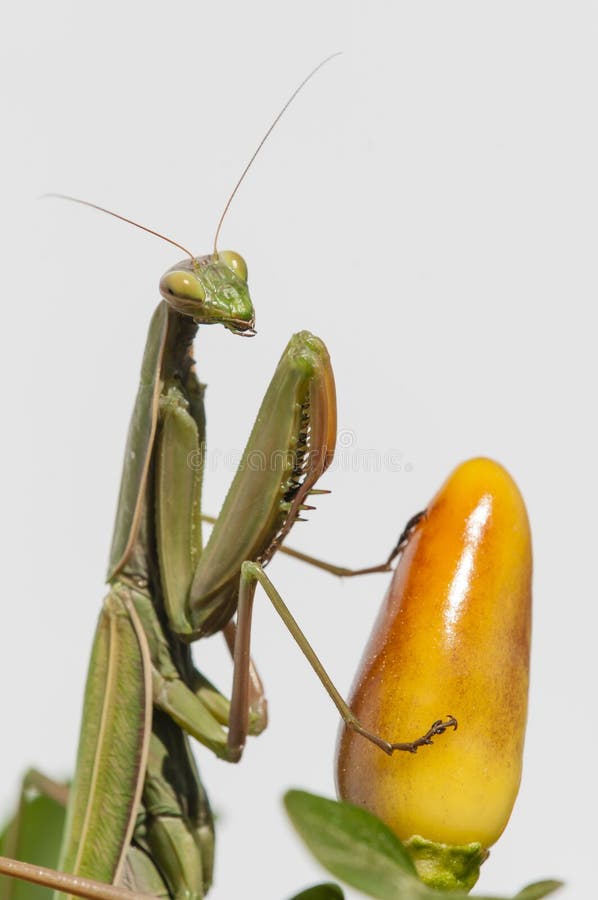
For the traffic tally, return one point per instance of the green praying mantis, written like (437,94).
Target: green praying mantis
(138,816)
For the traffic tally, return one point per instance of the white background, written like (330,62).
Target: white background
(428,206)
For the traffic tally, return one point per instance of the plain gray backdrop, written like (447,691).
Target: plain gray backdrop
(427,206)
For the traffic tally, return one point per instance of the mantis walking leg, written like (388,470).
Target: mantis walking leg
(251,575)
(257,705)
(344,571)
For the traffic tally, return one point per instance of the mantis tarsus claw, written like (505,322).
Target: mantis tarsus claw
(436,728)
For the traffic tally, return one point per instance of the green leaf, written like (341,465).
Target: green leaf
(359,849)
(38,841)
(355,846)
(538,889)
(326,891)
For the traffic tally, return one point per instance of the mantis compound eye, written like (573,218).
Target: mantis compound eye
(183,286)
(234,262)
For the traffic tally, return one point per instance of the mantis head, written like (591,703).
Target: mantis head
(211,289)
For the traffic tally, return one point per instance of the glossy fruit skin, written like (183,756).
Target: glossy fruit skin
(452,637)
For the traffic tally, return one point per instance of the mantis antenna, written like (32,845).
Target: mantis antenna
(109,212)
(297,90)
(158,234)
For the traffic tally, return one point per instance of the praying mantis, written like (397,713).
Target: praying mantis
(138,816)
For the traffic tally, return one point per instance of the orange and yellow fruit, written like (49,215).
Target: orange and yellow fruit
(452,637)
